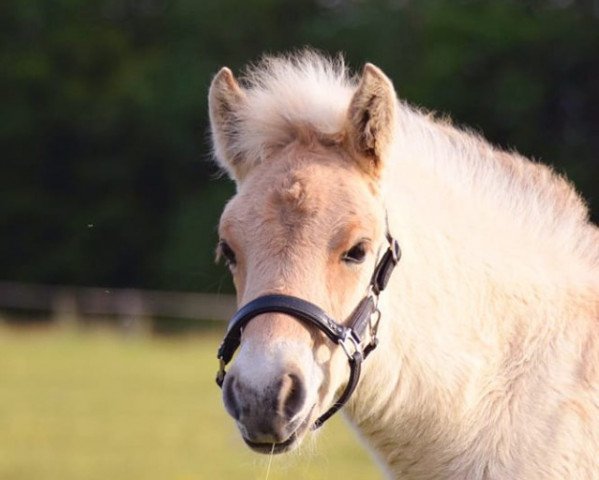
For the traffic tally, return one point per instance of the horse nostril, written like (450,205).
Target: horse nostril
(230,400)
(291,396)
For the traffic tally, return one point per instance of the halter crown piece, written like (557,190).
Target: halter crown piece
(348,336)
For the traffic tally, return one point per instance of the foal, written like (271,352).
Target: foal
(488,357)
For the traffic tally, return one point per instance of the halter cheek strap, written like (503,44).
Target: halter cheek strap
(349,336)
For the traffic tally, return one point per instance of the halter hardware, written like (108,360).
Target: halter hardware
(349,337)
(350,344)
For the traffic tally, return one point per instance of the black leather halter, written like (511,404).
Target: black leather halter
(349,336)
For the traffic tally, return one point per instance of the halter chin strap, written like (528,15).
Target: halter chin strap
(349,337)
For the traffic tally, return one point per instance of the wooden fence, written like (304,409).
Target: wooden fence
(133,307)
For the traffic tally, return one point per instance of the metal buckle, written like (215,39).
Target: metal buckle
(395,251)
(349,337)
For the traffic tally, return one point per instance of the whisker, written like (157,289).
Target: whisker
(272,452)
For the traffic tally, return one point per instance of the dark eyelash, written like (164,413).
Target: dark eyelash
(227,253)
(356,254)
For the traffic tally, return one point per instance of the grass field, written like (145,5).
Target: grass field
(102,406)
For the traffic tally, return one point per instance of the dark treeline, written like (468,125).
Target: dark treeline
(105,170)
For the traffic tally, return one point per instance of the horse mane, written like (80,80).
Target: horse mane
(306,95)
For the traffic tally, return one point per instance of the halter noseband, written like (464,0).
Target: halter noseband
(349,338)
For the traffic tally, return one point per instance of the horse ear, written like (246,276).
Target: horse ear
(225,100)
(371,117)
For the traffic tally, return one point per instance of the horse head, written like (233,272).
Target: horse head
(308,221)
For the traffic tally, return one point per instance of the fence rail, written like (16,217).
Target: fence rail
(72,302)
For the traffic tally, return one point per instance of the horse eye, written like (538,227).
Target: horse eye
(355,254)
(226,251)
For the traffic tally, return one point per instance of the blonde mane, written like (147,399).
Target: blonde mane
(307,95)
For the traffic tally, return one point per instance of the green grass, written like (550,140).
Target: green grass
(101,406)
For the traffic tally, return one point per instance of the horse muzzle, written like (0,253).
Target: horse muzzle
(274,414)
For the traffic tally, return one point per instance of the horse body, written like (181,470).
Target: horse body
(488,363)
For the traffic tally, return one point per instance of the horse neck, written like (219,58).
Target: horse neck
(459,301)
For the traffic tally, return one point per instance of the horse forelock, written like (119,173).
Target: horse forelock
(302,97)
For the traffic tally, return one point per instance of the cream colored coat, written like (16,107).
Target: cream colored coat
(488,365)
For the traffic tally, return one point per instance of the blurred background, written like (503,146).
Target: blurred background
(110,301)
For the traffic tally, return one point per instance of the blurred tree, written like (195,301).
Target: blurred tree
(103,125)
